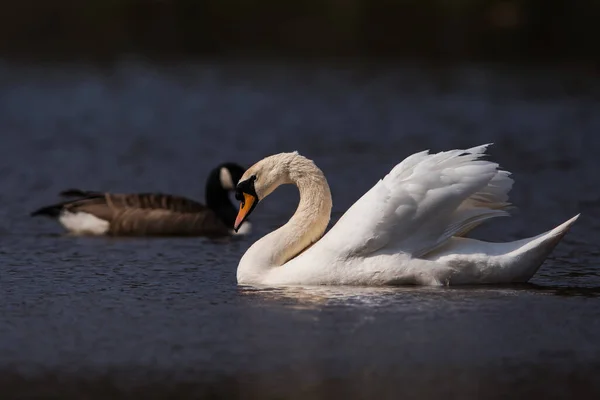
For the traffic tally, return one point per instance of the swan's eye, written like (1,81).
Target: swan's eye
(245,187)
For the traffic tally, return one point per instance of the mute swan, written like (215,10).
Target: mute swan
(407,229)
(151,214)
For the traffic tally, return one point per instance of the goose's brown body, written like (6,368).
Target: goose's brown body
(150,214)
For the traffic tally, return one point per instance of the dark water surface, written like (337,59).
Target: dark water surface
(153,318)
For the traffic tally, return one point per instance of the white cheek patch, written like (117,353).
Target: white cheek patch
(81,223)
(226,179)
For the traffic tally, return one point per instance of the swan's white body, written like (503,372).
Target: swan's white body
(406,230)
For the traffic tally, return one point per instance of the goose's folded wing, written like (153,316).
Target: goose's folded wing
(140,200)
(421,203)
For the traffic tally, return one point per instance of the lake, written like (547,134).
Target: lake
(164,318)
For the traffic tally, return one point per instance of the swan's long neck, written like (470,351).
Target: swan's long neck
(306,226)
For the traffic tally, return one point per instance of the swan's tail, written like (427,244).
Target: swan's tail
(529,257)
(474,261)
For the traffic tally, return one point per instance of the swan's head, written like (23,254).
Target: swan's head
(261,179)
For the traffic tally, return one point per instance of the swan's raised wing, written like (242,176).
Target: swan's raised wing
(421,203)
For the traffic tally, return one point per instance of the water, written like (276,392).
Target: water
(154,318)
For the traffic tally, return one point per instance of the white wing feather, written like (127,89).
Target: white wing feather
(421,203)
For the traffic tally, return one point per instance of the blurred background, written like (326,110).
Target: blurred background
(441,30)
(149,95)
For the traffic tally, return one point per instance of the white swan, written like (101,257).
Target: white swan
(406,230)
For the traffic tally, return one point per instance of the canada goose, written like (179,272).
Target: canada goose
(151,214)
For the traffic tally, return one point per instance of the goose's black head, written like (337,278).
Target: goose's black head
(221,181)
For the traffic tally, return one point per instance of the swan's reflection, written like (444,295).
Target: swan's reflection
(322,295)
(312,297)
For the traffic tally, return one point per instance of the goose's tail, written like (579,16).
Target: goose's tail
(55,210)
(52,211)
(79,193)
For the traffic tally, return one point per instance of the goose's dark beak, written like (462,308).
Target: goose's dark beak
(246,206)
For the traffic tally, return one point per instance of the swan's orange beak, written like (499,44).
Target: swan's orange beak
(246,207)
